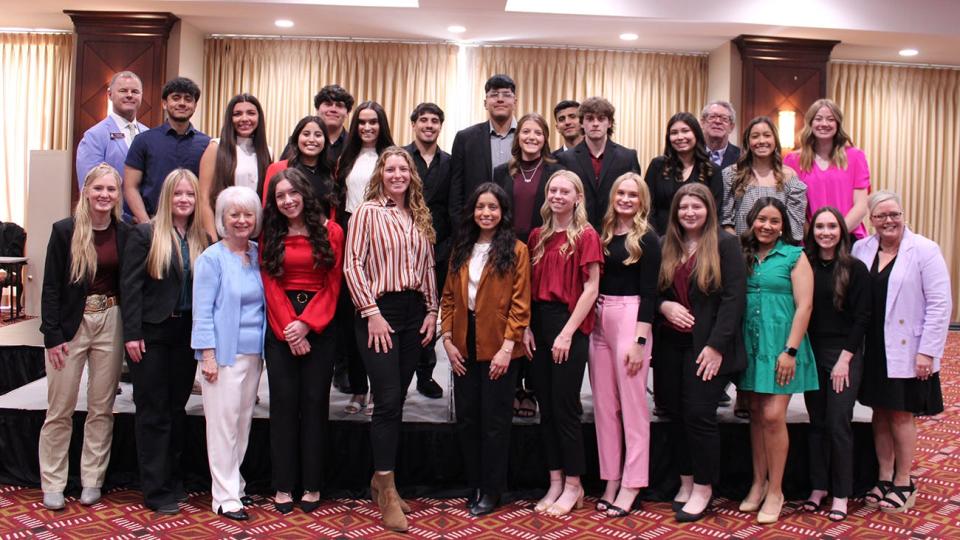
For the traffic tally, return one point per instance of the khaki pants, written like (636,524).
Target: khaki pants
(98,343)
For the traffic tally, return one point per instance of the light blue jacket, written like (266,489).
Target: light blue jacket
(103,143)
(216,301)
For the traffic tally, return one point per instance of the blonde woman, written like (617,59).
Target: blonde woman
(621,342)
(157,285)
(566,256)
(80,323)
(388,266)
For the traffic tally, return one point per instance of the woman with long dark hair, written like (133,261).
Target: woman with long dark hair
(301,266)
(240,156)
(684,160)
(841,314)
(489,280)
(307,149)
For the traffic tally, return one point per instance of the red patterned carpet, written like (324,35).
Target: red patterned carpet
(121,515)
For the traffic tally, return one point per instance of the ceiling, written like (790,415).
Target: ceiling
(868,29)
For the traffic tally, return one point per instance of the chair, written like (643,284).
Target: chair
(12,241)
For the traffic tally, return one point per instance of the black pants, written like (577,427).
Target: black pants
(162,381)
(299,406)
(428,359)
(484,418)
(391,372)
(830,441)
(691,403)
(558,388)
(348,356)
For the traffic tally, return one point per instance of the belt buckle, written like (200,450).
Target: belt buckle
(302,298)
(96,303)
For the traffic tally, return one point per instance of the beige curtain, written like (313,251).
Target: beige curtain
(645,88)
(37,99)
(907,120)
(286,74)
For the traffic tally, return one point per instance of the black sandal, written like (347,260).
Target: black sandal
(810,506)
(906,496)
(617,512)
(871,499)
(836,515)
(603,505)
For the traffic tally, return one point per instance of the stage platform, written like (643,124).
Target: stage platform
(429,457)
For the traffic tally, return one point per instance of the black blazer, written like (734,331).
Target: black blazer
(616,161)
(436,193)
(719,314)
(62,302)
(502,177)
(470,165)
(663,189)
(730,156)
(146,299)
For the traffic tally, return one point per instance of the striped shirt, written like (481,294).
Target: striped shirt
(735,209)
(387,253)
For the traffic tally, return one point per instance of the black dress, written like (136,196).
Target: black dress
(922,398)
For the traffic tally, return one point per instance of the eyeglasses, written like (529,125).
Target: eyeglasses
(893,216)
(722,118)
(504,94)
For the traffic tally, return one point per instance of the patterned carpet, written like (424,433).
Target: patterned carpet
(121,515)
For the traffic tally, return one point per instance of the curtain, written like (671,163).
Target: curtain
(645,88)
(36,96)
(907,121)
(285,75)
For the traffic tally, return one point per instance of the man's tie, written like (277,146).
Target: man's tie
(132,132)
(716,157)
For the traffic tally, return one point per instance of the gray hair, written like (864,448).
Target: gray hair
(725,104)
(882,196)
(124,75)
(238,197)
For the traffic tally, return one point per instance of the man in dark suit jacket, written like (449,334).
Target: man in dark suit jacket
(567,115)
(478,149)
(597,160)
(718,119)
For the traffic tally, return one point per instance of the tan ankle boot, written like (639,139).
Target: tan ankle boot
(374,494)
(384,493)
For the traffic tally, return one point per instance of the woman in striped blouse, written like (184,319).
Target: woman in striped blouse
(389,270)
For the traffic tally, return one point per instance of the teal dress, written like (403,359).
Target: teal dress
(766,326)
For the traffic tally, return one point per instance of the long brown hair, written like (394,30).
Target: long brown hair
(225,165)
(744,171)
(808,140)
(707,266)
(844,262)
(516,154)
(640,224)
(415,201)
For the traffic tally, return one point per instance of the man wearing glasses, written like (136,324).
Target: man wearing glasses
(478,149)
(718,118)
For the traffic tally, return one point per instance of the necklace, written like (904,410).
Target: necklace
(533,172)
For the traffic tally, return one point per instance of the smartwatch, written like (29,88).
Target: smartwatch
(790,351)
(641,340)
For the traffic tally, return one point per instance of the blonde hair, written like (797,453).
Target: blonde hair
(165,243)
(415,201)
(640,222)
(882,196)
(808,140)
(577,225)
(83,254)
(707,266)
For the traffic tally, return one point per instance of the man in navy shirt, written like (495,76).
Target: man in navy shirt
(156,152)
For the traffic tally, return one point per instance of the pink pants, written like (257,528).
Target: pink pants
(619,400)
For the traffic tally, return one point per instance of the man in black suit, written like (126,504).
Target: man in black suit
(718,119)
(433,167)
(478,149)
(597,160)
(567,115)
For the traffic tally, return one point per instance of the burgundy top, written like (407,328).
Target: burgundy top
(559,277)
(524,197)
(681,287)
(597,162)
(108,262)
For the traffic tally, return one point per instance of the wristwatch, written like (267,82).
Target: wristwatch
(641,340)
(790,350)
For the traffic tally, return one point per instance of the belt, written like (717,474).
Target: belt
(97,303)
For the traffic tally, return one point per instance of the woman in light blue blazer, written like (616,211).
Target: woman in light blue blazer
(905,340)
(228,329)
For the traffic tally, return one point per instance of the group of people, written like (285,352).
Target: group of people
(720,265)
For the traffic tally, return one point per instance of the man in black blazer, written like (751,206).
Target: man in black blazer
(433,167)
(597,160)
(567,115)
(718,119)
(478,149)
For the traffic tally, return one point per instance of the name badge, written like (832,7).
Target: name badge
(117,136)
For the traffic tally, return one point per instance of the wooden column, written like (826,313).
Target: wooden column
(112,41)
(781,74)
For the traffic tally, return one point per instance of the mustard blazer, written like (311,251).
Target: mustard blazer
(502,306)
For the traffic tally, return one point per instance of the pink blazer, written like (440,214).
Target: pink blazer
(919,302)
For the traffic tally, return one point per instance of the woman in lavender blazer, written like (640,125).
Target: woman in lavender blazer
(905,341)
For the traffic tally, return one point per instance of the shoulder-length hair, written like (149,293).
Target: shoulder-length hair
(83,255)
(744,169)
(843,266)
(276,225)
(165,242)
(501,256)
(808,141)
(414,196)
(516,154)
(353,144)
(673,167)
(577,225)
(226,163)
(640,224)
(749,240)
(707,266)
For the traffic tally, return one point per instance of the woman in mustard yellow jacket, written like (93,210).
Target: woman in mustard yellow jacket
(489,280)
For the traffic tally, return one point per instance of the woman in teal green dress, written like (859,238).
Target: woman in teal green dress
(780,360)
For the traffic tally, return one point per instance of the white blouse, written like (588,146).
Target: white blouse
(478,259)
(247,172)
(359,178)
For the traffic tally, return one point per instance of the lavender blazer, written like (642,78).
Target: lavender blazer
(919,302)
